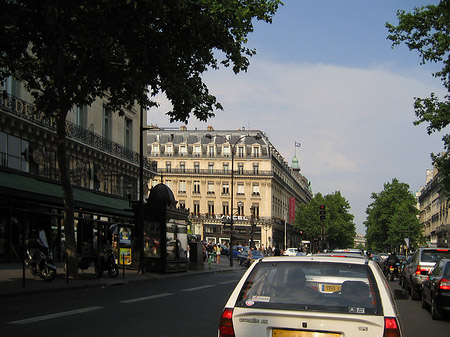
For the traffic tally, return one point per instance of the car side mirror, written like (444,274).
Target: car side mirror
(401,294)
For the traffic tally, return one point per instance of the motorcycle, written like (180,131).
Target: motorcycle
(39,257)
(107,262)
(393,271)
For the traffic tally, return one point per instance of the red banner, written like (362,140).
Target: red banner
(291,209)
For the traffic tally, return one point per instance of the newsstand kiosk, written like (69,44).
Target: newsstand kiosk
(165,232)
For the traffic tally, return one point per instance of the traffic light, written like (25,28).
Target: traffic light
(322,212)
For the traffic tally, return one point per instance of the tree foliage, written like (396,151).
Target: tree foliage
(68,53)
(426,30)
(392,217)
(338,224)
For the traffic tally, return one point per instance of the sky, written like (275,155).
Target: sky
(326,76)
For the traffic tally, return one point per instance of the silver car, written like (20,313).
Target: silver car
(307,296)
(420,265)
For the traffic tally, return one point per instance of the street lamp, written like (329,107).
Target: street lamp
(233,147)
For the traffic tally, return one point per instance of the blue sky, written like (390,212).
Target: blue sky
(325,75)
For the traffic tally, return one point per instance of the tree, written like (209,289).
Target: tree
(426,30)
(392,217)
(338,223)
(68,53)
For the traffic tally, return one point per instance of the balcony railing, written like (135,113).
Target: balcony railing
(217,172)
(16,106)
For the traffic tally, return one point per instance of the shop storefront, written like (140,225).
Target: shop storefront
(28,205)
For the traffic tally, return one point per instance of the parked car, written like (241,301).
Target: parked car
(436,290)
(238,249)
(420,265)
(224,250)
(312,296)
(243,256)
(290,252)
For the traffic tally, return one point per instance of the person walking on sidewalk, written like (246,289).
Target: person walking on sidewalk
(218,252)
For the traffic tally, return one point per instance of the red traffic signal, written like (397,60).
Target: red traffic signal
(322,212)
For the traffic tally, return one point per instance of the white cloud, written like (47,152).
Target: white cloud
(355,125)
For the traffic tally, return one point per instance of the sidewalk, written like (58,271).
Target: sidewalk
(12,281)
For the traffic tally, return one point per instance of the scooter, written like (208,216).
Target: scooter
(393,271)
(39,257)
(107,262)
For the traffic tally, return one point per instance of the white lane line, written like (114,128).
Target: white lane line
(51,316)
(146,298)
(198,288)
(226,282)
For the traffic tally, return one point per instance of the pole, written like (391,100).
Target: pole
(141,192)
(232,205)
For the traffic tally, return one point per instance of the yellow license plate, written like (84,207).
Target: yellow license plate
(329,288)
(302,333)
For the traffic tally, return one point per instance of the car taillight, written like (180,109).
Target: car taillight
(444,284)
(391,328)
(226,323)
(421,271)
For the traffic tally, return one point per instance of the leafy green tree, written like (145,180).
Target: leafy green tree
(338,223)
(426,30)
(68,53)
(392,217)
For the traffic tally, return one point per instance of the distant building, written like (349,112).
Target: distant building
(197,166)
(360,239)
(434,209)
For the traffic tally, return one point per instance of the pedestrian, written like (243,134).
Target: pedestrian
(277,251)
(218,253)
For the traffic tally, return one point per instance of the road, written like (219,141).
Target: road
(174,307)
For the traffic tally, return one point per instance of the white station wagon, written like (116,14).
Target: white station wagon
(311,296)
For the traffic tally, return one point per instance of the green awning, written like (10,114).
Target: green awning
(28,188)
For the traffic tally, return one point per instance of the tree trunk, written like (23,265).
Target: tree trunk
(68,221)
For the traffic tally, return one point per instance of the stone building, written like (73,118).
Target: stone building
(104,169)
(434,209)
(231,174)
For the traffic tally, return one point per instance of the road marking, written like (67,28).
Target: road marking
(226,282)
(57,315)
(199,288)
(146,298)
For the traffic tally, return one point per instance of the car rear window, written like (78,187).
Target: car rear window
(435,255)
(312,286)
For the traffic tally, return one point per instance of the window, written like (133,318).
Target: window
(256,152)
(197,151)
(255,169)
(168,167)
(196,207)
(255,209)
(107,123)
(182,204)
(240,208)
(240,168)
(196,167)
(240,189)
(183,151)
(182,186)
(226,151)
(128,141)
(211,151)
(255,189)
(169,150)
(241,152)
(81,116)
(225,208)
(196,186)
(168,183)
(210,187)
(211,167)
(225,188)
(226,168)
(183,167)
(210,207)
(155,150)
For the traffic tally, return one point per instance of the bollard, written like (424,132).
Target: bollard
(67,268)
(123,265)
